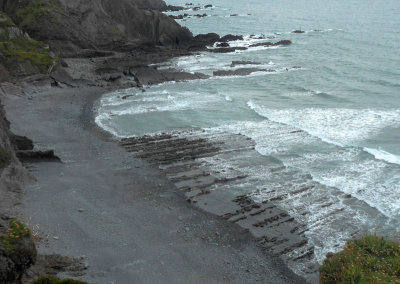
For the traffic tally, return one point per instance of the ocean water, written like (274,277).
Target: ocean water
(333,123)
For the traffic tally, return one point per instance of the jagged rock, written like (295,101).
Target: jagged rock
(231,37)
(227,49)
(22,142)
(148,75)
(268,43)
(175,8)
(223,44)
(29,155)
(207,39)
(240,71)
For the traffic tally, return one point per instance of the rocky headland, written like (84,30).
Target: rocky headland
(114,217)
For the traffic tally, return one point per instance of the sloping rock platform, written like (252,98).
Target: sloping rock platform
(186,159)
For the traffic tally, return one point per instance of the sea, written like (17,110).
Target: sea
(329,113)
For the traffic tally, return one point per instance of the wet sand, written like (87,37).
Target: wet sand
(128,221)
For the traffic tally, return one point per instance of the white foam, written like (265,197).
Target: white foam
(383,155)
(336,125)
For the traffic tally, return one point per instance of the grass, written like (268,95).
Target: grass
(371,259)
(16,232)
(29,16)
(56,280)
(5,157)
(26,49)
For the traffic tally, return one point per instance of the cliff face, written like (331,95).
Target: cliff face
(70,25)
(17,250)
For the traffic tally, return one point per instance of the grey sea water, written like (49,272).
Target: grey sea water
(333,123)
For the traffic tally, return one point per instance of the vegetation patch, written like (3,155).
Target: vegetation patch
(5,157)
(56,280)
(16,232)
(21,49)
(369,260)
(29,16)
(5,21)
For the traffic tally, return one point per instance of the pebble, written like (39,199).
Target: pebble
(180,218)
(81,209)
(56,238)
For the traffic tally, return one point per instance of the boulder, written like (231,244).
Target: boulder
(207,39)
(223,44)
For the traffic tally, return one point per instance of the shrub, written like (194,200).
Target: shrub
(27,49)
(56,280)
(371,259)
(16,232)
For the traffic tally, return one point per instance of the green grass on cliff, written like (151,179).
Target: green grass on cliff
(29,16)
(26,49)
(16,232)
(5,157)
(56,280)
(369,260)
(5,21)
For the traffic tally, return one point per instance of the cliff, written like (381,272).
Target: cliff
(71,25)
(17,250)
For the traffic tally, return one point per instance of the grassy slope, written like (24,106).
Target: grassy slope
(369,260)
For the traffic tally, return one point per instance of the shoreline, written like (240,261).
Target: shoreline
(229,254)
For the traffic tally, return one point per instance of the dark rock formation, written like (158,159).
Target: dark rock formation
(223,44)
(175,8)
(231,37)
(16,258)
(240,71)
(73,25)
(207,39)
(149,76)
(208,6)
(22,143)
(268,43)
(32,156)
(227,49)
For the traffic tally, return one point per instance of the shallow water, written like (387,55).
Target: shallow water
(334,122)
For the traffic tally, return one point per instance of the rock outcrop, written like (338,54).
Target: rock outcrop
(71,25)
(17,251)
